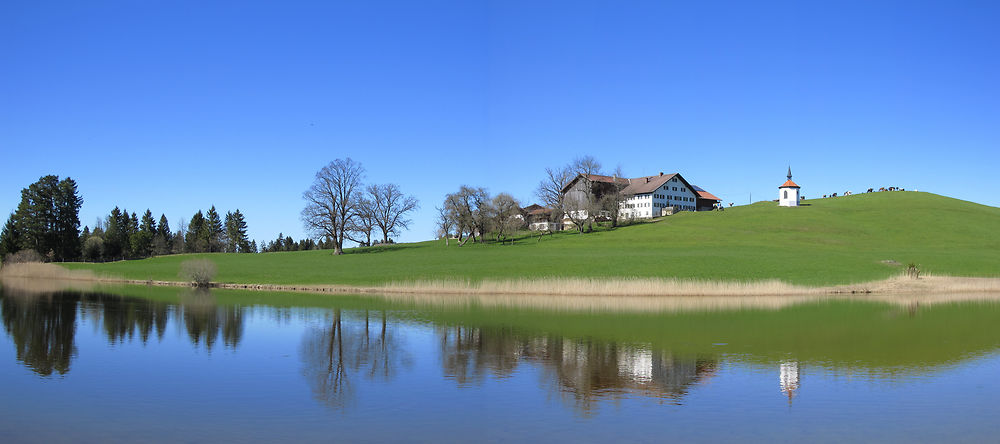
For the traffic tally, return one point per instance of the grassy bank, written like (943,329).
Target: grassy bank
(831,241)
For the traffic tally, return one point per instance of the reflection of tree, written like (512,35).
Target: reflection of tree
(205,321)
(123,318)
(333,357)
(42,328)
(582,371)
(468,354)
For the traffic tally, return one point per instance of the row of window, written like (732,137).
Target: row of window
(666,188)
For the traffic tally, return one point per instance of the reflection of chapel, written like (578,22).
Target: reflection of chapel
(788,192)
(789,379)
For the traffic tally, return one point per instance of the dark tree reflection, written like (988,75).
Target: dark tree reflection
(42,328)
(336,357)
(206,322)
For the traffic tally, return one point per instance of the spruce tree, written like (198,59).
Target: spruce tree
(113,236)
(9,238)
(215,230)
(67,221)
(142,240)
(236,233)
(162,239)
(197,235)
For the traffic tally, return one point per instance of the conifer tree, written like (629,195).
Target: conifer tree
(236,233)
(197,234)
(215,230)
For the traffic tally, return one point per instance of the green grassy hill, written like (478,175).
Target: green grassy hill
(829,241)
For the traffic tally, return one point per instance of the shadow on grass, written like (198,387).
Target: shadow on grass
(380,248)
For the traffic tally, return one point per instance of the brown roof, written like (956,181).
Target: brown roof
(789,184)
(540,211)
(607,179)
(648,184)
(595,178)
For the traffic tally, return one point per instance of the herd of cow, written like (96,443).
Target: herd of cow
(870,190)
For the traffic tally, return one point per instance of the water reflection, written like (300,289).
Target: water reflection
(582,359)
(43,326)
(335,356)
(42,329)
(582,371)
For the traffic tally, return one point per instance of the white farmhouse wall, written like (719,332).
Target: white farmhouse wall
(673,193)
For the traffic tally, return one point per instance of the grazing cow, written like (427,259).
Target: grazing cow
(869,190)
(833,195)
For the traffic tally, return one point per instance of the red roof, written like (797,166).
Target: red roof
(702,194)
(789,184)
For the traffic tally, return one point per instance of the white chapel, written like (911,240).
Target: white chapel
(788,192)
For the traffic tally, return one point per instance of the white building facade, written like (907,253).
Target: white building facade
(652,196)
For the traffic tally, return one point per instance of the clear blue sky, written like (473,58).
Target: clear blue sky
(176,106)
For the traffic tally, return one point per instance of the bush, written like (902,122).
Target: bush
(93,248)
(199,271)
(23,257)
(913,271)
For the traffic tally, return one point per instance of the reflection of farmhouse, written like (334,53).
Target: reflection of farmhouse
(595,196)
(584,371)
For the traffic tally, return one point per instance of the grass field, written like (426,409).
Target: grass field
(830,241)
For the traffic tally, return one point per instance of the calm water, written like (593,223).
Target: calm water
(166,365)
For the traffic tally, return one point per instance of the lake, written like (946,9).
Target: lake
(167,364)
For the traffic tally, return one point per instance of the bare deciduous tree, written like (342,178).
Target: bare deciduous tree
(613,199)
(332,200)
(390,207)
(468,209)
(503,211)
(445,223)
(363,224)
(550,190)
(585,203)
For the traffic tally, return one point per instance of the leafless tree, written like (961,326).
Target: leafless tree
(445,223)
(390,207)
(550,190)
(332,201)
(504,211)
(469,209)
(360,228)
(612,200)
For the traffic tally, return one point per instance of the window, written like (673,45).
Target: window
(786,194)
(675,188)
(682,189)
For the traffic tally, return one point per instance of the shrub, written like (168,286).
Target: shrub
(23,257)
(913,271)
(93,248)
(199,271)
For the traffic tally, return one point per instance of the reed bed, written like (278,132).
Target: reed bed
(604,287)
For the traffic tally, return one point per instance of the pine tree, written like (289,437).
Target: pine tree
(162,239)
(142,240)
(113,236)
(214,230)
(9,238)
(197,235)
(236,233)
(67,220)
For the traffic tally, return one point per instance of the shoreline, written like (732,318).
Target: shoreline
(549,287)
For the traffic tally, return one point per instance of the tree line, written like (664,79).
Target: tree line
(121,235)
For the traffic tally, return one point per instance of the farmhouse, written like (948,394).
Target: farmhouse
(655,196)
(642,197)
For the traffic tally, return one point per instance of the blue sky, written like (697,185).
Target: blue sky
(176,106)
